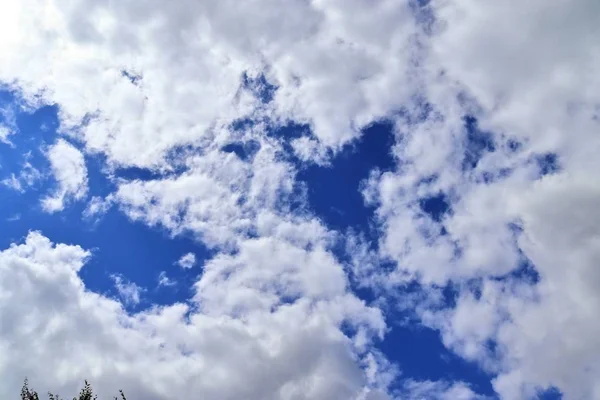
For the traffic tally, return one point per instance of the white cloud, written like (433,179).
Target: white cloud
(98,206)
(8,125)
(15,217)
(532,85)
(218,198)
(555,324)
(334,70)
(128,291)
(216,351)
(27,177)
(70,173)
(13,182)
(269,270)
(164,280)
(415,390)
(187,261)
(308,149)
(5,132)
(527,71)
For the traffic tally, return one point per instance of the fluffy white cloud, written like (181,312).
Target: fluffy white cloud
(187,261)
(69,170)
(555,324)
(527,72)
(177,75)
(533,92)
(289,347)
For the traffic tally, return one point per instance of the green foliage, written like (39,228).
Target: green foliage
(85,394)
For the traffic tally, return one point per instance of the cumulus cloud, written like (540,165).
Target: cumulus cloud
(180,71)
(482,111)
(492,191)
(288,347)
(187,261)
(4,133)
(69,171)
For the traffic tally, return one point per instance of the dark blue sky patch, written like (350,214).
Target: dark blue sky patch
(420,354)
(420,111)
(426,110)
(552,393)
(419,350)
(435,206)
(235,148)
(333,191)
(548,163)
(514,145)
(423,13)
(131,76)
(244,150)
(101,180)
(176,156)
(282,132)
(136,173)
(450,294)
(288,131)
(488,177)
(285,134)
(259,86)
(296,202)
(477,143)
(428,180)
(524,272)
(241,124)
(475,286)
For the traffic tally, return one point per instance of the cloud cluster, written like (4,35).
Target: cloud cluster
(493,194)
(231,341)
(134,93)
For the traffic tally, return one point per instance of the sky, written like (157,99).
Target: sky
(300,199)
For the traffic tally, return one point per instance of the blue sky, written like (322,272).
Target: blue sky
(367,200)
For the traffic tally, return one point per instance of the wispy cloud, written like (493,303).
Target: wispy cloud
(129,292)
(187,261)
